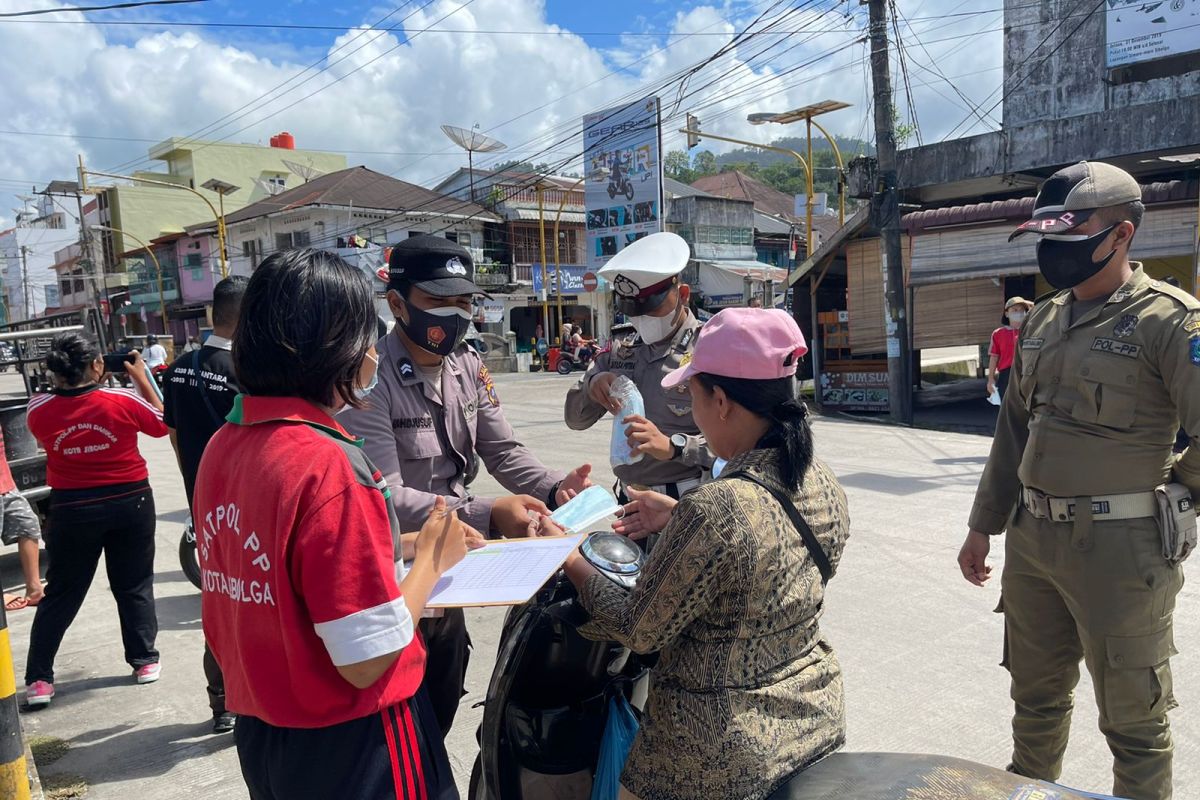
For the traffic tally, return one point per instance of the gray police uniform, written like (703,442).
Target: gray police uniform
(669,409)
(427,442)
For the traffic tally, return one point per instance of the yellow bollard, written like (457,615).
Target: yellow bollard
(14,773)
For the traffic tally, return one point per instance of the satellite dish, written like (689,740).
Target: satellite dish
(473,142)
(306,171)
(24,198)
(270,188)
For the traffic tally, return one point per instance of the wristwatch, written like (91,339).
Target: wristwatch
(678,442)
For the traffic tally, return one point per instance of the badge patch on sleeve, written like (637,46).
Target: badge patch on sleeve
(489,386)
(1194,343)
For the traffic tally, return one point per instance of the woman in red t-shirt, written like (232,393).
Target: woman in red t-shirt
(1004,344)
(100,501)
(305,607)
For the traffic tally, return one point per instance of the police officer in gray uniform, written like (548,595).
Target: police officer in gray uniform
(431,419)
(645,279)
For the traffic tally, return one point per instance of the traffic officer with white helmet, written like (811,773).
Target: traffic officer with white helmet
(433,416)
(1099,512)
(645,280)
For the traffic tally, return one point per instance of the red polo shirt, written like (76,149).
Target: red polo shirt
(7,484)
(1004,346)
(297,543)
(90,435)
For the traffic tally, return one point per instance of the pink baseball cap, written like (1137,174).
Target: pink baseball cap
(754,343)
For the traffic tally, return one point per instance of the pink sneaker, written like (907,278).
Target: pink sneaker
(39,693)
(149,673)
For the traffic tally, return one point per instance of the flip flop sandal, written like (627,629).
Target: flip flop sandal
(14,602)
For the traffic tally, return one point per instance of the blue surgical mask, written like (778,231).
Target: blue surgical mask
(585,509)
(362,393)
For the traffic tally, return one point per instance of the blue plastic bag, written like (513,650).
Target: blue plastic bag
(619,732)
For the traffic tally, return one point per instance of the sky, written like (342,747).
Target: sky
(376,79)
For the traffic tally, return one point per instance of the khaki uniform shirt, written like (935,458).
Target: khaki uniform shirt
(1094,403)
(669,409)
(425,447)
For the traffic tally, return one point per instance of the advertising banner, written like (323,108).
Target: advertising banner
(622,156)
(865,390)
(572,279)
(1138,31)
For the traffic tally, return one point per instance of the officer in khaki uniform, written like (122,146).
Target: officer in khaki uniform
(1105,372)
(645,280)
(430,421)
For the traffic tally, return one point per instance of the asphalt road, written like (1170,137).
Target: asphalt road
(918,645)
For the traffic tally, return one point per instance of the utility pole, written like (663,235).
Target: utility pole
(885,207)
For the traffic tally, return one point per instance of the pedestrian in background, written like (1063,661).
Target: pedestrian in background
(1082,476)
(156,354)
(305,602)
(100,502)
(193,342)
(198,393)
(1004,344)
(748,692)
(19,525)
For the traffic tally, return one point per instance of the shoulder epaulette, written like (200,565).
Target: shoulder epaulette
(1185,299)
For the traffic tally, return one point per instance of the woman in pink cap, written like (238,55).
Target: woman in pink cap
(747,692)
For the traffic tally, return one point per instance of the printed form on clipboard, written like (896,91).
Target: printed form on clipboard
(509,572)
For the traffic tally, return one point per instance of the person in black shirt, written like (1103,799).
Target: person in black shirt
(198,392)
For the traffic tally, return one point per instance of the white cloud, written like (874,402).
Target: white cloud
(392,97)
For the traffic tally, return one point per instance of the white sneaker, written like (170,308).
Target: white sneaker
(149,673)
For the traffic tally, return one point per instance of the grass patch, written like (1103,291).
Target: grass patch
(48,749)
(64,787)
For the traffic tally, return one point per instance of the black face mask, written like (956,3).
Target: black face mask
(1065,265)
(438,330)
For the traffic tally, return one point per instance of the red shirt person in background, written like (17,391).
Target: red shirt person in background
(305,607)
(100,502)
(1004,344)
(20,526)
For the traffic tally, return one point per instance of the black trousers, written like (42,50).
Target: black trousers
(216,682)
(396,753)
(448,646)
(121,527)
(1002,381)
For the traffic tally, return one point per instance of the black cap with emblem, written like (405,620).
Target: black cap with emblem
(433,264)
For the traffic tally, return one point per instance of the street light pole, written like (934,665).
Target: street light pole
(162,301)
(557,265)
(219,216)
(542,250)
(803,163)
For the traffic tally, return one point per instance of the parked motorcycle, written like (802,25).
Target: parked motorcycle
(546,705)
(189,559)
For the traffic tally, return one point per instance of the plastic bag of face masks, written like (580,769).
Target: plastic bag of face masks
(625,392)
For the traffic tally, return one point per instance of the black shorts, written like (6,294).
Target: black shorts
(396,754)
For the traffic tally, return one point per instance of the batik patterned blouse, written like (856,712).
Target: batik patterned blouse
(747,691)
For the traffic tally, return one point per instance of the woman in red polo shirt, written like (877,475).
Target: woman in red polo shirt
(305,606)
(100,501)
(1004,344)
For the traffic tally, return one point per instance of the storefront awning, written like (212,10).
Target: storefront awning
(724,282)
(531,215)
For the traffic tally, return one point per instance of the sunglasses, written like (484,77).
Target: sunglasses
(641,306)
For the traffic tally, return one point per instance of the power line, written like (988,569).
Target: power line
(40,11)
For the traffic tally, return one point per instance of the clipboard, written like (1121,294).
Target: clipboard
(502,573)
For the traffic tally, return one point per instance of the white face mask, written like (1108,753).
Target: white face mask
(1015,318)
(655,329)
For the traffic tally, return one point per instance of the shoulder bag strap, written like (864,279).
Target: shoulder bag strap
(212,412)
(810,539)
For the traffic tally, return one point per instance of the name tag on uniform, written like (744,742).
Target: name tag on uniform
(1032,343)
(1117,348)
(412,423)
(470,409)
